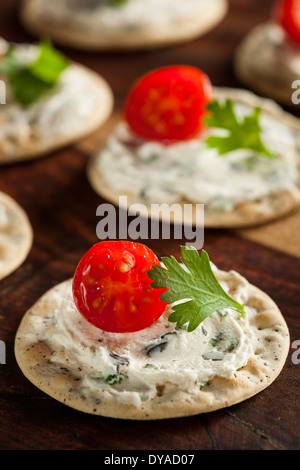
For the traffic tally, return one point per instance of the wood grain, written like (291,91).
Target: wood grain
(62,208)
(282,235)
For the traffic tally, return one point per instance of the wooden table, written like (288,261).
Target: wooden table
(62,207)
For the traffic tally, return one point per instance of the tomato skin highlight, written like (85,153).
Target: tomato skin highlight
(111,288)
(168,104)
(287,14)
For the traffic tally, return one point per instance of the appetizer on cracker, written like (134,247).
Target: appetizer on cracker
(16,235)
(121,24)
(133,337)
(50,102)
(268,58)
(180,140)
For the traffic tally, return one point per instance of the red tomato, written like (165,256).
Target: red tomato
(111,288)
(168,104)
(287,15)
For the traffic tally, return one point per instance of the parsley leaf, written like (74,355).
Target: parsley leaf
(199,292)
(49,65)
(29,82)
(242,134)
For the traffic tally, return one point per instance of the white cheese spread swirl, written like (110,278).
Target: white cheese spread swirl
(193,172)
(133,15)
(52,117)
(134,368)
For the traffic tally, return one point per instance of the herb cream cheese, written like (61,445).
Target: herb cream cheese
(53,116)
(135,15)
(191,171)
(136,367)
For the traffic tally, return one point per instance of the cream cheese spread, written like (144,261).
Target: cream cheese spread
(191,171)
(133,15)
(10,235)
(5,236)
(4,219)
(134,368)
(52,117)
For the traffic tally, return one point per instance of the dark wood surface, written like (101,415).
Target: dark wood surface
(62,207)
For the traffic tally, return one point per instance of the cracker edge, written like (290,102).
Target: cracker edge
(237,390)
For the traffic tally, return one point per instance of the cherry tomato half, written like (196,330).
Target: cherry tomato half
(111,288)
(287,15)
(168,104)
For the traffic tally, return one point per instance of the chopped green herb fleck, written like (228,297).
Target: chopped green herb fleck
(114,379)
(152,158)
(217,339)
(232,345)
(152,349)
(150,366)
(203,384)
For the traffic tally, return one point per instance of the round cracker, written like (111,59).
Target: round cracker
(15,238)
(247,214)
(103,105)
(274,83)
(67,34)
(63,378)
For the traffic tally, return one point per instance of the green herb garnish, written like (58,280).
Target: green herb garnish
(29,82)
(114,379)
(220,337)
(152,158)
(242,133)
(199,292)
(150,366)
(214,341)
(234,343)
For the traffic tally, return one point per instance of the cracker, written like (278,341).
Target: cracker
(52,368)
(41,143)
(16,235)
(268,78)
(63,32)
(247,214)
